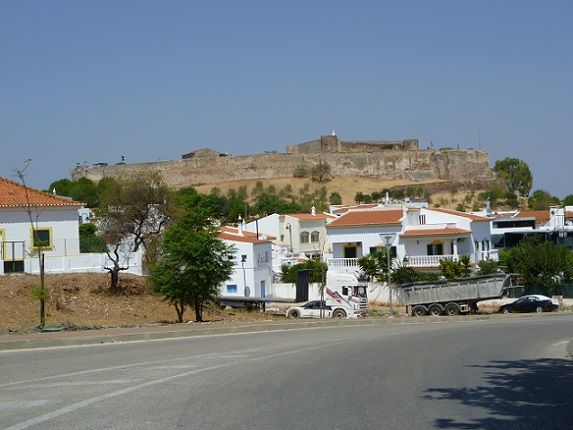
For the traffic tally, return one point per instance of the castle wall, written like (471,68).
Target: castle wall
(421,165)
(333,144)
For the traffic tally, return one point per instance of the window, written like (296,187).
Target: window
(436,248)
(314,236)
(304,236)
(231,289)
(421,219)
(42,237)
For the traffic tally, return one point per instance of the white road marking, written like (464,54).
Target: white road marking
(78,405)
(127,366)
(76,383)
(22,404)
(180,366)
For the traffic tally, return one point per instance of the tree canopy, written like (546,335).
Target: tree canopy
(193,262)
(540,263)
(516,175)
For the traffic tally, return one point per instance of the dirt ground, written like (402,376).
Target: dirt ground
(80,300)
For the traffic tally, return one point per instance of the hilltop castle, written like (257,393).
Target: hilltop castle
(382,159)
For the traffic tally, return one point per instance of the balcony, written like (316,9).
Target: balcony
(426,260)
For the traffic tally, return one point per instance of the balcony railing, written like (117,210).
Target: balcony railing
(427,260)
(340,263)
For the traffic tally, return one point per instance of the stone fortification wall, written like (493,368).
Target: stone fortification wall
(333,144)
(421,165)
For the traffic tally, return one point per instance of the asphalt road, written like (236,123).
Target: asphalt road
(510,373)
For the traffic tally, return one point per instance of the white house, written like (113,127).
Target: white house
(53,227)
(252,272)
(419,237)
(508,228)
(296,236)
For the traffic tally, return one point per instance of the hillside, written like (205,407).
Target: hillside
(443,193)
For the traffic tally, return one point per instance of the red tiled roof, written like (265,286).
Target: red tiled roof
(232,234)
(473,217)
(311,217)
(363,218)
(13,194)
(540,216)
(448,231)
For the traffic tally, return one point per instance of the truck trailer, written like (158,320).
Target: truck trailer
(454,297)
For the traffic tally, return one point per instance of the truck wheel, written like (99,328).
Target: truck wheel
(339,313)
(452,309)
(435,310)
(505,311)
(293,314)
(419,311)
(539,309)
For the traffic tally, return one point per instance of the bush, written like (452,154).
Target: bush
(300,171)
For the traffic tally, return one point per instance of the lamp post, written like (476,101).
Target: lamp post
(243,259)
(388,239)
(289,228)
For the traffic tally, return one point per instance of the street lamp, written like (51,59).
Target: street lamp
(245,291)
(388,239)
(289,228)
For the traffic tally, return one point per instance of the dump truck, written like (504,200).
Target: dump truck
(454,297)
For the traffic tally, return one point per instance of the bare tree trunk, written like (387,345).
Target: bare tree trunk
(198,305)
(180,309)
(114,288)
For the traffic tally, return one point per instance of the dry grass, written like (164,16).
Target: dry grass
(81,300)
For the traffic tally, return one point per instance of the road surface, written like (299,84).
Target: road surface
(502,373)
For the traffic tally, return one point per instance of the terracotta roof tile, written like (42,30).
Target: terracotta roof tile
(311,217)
(540,216)
(448,231)
(13,194)
(232,234)
(473,217)
(363,218)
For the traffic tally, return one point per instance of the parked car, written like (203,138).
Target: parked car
(532,303)
(312,310)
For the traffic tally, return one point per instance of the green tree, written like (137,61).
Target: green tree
(267,204)
(568,200)
(541,199)
(452,269)
(335,198)
(540,263)
(193,261)
(487,267)
(317,271)
(89,240)
(300,171)
(134,212)
(61,186)
(516,175)
(321,172)
(375,265)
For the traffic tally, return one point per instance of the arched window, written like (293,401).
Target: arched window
(314,236)
(304,237)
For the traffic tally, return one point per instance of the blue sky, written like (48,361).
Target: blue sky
(85,80)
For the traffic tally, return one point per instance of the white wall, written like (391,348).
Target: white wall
(257,268)
(63,222)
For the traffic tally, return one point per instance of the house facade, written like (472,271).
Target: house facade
(418,237)
(296,236)
(252,272)
(32,221)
